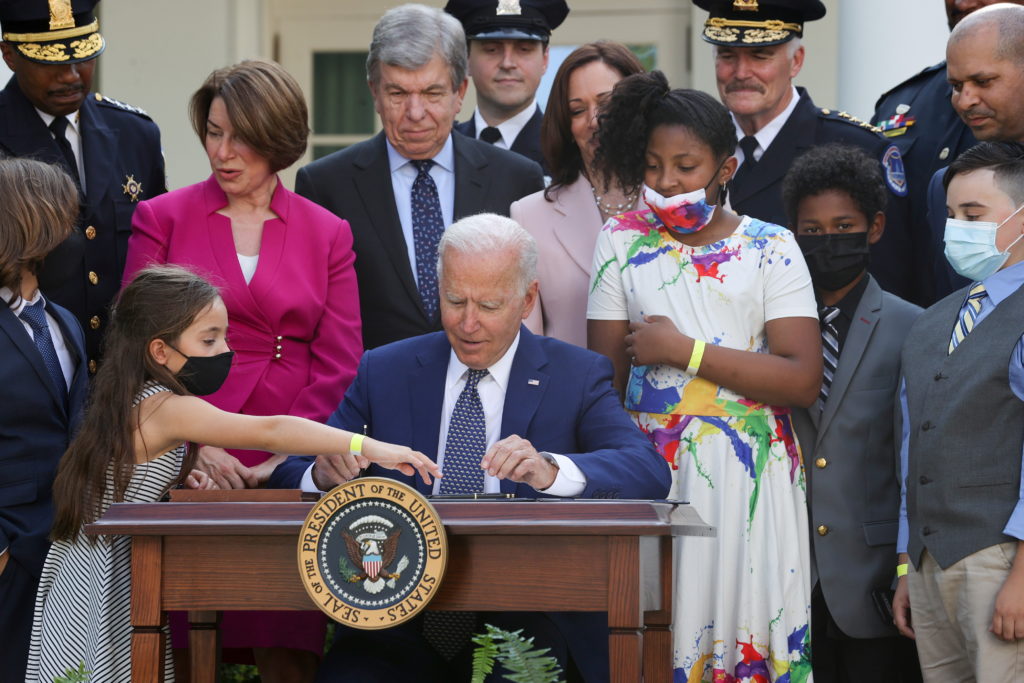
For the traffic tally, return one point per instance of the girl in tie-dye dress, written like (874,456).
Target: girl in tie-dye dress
(667,278)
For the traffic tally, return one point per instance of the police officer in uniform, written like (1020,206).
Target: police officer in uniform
(757,56)
(917,117)
(110,149)
(508,55)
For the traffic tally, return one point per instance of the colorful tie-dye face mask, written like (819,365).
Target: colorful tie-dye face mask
(684,213)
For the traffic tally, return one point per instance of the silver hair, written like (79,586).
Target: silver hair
(791,47)
(489,232)
(410,35)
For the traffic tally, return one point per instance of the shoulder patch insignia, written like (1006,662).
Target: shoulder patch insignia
(895,175)
(111,102)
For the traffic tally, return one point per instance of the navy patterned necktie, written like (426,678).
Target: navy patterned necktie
(35,316)
(829,349)
(466,443)
(450,632)
(427,227)
(58,127)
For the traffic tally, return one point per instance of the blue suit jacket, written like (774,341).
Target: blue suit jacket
(572,410)
(35,429)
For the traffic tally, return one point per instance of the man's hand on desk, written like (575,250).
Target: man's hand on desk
(515,458)
(333,470)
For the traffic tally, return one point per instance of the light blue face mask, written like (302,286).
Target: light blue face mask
(971,247)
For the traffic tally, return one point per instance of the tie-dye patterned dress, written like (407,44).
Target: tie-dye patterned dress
(742,599)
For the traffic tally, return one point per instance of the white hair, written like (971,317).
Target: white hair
(489,232)
(791,47)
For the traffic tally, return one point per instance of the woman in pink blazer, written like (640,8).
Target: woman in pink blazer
(285,270)
(566,217)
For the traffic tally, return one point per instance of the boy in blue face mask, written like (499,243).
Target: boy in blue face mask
(962,519)
(835,198)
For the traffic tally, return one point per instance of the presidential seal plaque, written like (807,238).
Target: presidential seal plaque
(372,553)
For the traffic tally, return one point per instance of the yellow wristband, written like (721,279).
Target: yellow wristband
(696,357)
(355,446)
(901,570)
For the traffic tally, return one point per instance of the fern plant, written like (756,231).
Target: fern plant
(524,663)
(76,675)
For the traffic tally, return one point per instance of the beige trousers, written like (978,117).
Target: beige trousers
(952,610)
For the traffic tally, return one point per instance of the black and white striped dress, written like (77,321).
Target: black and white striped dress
(83,607)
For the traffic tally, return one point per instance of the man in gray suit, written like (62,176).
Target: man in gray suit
(400,189)
(835,197)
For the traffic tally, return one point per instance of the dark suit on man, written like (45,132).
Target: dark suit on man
(849,454)
(36,425)
(896,259)
(526,143)
(123,166)
(559,397)
(936,136)
(355,184)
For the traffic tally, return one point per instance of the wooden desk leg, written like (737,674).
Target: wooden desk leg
(147,620)
(625,642)
(204,646)
(658,623)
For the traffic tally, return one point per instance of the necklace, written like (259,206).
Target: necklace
(610,209)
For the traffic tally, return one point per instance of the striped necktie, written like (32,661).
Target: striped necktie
(829,350)
(968,315)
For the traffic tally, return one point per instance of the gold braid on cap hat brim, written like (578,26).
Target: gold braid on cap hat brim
(48,36)
(743,30)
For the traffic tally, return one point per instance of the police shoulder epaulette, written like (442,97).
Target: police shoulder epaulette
(117,104)
(847,118)
(928,70)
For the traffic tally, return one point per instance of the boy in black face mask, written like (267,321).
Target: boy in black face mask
(835,198)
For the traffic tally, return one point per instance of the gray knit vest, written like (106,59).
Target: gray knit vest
(966,430)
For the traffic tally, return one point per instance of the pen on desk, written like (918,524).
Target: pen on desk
(473,496)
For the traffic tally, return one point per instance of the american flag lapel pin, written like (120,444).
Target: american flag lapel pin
(533,382)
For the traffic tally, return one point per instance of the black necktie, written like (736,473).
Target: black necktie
(58,126)
(490,135)
(749,145)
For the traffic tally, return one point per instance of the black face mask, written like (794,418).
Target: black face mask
(835,260)
(204,375)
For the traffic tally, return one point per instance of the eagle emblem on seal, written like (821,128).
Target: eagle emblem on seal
(372,545)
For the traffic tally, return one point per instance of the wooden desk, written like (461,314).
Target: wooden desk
(594,557)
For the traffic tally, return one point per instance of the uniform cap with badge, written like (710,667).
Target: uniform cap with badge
(752,23)
(52,31)
(508,19)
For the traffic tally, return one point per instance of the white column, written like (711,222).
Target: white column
(882,43)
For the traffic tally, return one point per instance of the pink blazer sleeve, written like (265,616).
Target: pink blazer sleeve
(147,244)
(337,343)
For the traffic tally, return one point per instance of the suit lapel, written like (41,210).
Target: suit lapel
(865,320)
(426,398)
(471,182)
(22,132)
(373,187)
(527,383)
(796,136)
(99,146)
(20,338)
(527,142)
(577,213)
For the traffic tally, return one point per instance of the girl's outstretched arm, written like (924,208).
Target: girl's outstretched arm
(167,419)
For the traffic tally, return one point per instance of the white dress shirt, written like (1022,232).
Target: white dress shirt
(67,363)
(509,128)
(766,135)
(569,481)
(73,135)
(403,175)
